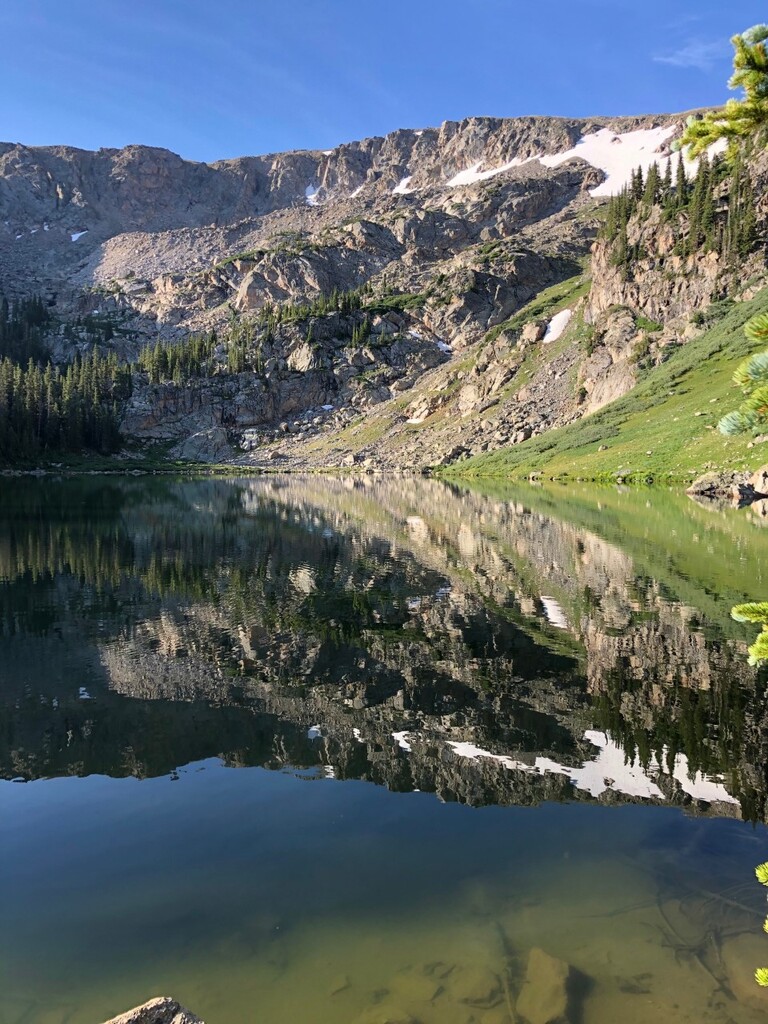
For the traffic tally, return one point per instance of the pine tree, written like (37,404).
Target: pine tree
(652,186)
(739,119)
(681,184)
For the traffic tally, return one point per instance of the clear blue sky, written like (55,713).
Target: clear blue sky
(220,78)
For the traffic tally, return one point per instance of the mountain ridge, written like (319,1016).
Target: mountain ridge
(447,236)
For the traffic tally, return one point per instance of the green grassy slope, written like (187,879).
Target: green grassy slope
(664,428)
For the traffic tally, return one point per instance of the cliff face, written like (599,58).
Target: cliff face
(73,219)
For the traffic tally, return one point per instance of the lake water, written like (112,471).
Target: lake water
(348,751)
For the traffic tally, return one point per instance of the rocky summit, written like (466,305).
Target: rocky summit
(484,311)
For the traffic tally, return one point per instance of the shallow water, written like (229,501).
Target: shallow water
(344,751)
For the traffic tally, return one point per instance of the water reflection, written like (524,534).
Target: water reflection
(536,653)
(491,649)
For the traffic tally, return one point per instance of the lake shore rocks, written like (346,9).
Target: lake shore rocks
(730,488)
(160,1010)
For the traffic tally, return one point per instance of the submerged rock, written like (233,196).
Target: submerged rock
(160,1010)
(413,986)
(498,1015)
(477,986)
(741,955)
(385,1013)
(545,995)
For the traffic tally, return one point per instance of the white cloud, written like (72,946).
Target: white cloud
(696,54)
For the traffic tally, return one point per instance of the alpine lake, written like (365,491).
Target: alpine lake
(366,750)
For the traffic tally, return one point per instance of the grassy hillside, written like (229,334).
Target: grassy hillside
(664,428)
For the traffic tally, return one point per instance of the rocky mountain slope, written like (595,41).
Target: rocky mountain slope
(463,241)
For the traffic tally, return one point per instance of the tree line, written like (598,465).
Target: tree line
(712,212)
(49,409)
(46,408)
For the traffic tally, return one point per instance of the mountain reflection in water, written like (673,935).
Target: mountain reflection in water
(484,649)
(512,648)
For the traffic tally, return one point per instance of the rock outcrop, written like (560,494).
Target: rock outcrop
(737,489)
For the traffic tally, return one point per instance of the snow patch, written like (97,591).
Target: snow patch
(472,175)
(326,408)
(699,786)
(314,732)
(401,738)
(311,195)
(557,325)
(444,347)
(78,234)
(358,735)
(401,189)
(474,753)
(419,132)
(554,612)
(327,152)
(357,192)
(83,694)
(618,156)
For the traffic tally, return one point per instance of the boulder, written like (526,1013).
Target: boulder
(733,488)
(533,331)
(160,1010)
(477,986)
(545,995)
(469,398)
(759,481)
(302,358)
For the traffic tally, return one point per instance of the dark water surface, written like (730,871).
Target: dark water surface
(346,751)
